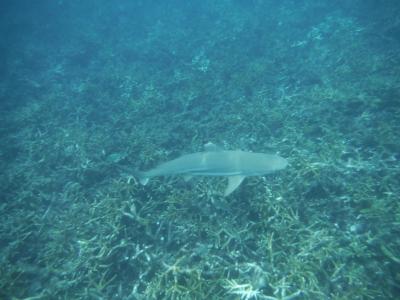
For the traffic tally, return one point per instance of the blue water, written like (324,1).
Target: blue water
(92,92)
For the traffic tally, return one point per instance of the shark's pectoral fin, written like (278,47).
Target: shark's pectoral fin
(233,183)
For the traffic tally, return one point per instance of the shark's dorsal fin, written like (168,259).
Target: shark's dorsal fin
(233,183)
(211,147)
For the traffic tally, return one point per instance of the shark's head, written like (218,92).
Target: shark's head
(271,163)
(256,164)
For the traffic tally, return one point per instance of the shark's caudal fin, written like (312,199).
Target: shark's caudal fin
(141,176)
(144,180)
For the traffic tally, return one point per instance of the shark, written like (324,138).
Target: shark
(236,165)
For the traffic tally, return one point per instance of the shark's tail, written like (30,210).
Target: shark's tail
(141,176)
(136,174)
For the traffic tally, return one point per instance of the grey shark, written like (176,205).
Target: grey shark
(236,165)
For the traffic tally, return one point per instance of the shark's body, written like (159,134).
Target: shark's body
(236,165)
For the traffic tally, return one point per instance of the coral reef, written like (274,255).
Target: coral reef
(89,95)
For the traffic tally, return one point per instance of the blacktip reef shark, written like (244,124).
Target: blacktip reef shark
(234,164)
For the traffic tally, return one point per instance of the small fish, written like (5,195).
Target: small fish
(236,165)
